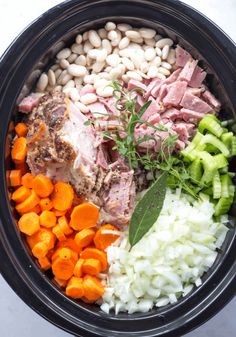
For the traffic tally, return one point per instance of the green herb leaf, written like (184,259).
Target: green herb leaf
(87,123)
(147,209)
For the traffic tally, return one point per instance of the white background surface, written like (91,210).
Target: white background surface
(16,319)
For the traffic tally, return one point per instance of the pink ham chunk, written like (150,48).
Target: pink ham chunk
(184,130)
(28,103)
(195,103)
(191,116)
(210,98)
(173,77)
(188,70)
(197,78)
(171,114)
(182,56)
(152,85)
(110,104)
(136,84)
(98,110)
(175,93)
(153,109)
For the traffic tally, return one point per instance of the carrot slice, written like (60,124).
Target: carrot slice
(19,150)
(29,223)
(47,219)
(36,209)
(15,178)
(78,268)
(40,249)
(45,204)
(21,194)
(84,237)
(91,267)
(102,239)
(63,265)
(61,283)
(59,213)
(93,289)
(84,216)
(70,243)
(59,233)
(62,196)
(94,253)
(44,263)
(42,186)
(21,129)
(43,235)
(27,180)
(63,224)
(28,204)
(75,288)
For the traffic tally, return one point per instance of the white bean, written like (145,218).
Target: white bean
(171,56)
(58,88)
(156,62)
(142,74)
(87,46)
(124,42)
(88,98)
(55,67)
(113,60)
(137,57)
(125,52)
(102,33)
(163,71)
(110,26)
(83,108)
(123,27)
(93,53)
(133,75)
(64,79)
(147,33)
(76,70)
(64,64)
(78,81)
(108,69)
(165,52)
(77,48)
(134,45)
(105,91)
(116,41)
(102,54)
(85,36)
(98,66)
(74,95)
(72,58)
(163,42)
(104,75)
(132,34)
(116,51)
(150,42)
(150,54)
(58,73)
(94,38)
(152,72)
(64,53)
(125,78)
(101,83)
(115,73)
(70,84)
(161,76)
(138,41)
(144,67)
(166,65)
(157,37)
(42,82)
(112,35)
(79,39)
(51,77)
(81,60)
(89,79)
(122,68)
(158,51)
(107,45)
(67,91)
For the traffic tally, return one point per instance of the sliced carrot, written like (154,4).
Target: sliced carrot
(62,196)
(21,129)
(60,250)
(43,235)
(15,178)
(59,213)
(60,283)
(63,224)
(84,216)
(94,253)
(36,209)
(40,249)
(78,268)
(27,180)
(102,239)
(45,204)
(91,267)
(84,237)
(23,167)
(19,150)
(70,243)
(21,194)
(93,289)
(42,186)
(75,288)
(59,233)
(28,204)
(44,262)
(47,219)
(63,265)
(29,223)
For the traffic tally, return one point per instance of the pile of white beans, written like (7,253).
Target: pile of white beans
(117,51)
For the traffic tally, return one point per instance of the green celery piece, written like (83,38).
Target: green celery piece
(231,174)
(223,206)
(210,139)
(195,170)
(208,191)
(224,170)
(231,190)
(210,124)
(233,146)
(226,182)
(227,139)
(213,117)
(188,151)
(211,149)
(216,186)
(220,161)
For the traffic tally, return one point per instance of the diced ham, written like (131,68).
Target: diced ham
(195,103)
(197,78)
(182,56)
(87,89)
(173,77)
(171,114)
(211,99)
(140,101)
(196,91)
(110,104)
(136,84)
(175,93)
(184,130)
(179,145)
(191,116)
(155,82)
(101,158)
(162,93)
(28,103)
(98,110)
(156,89)
(188,70)
(151,110)
(154,119)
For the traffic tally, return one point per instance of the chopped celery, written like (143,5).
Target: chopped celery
(216,186)
(225,183)
(189,149)
(211,149)
(231,190)
(207,176)
(223,206)
(195,170)
(210,139)
(220,161)
(233,146)
(208,191)
(231,174)
(210,124)
(224,170)
(227,139)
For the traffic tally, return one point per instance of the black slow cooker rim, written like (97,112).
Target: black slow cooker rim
(30,284)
